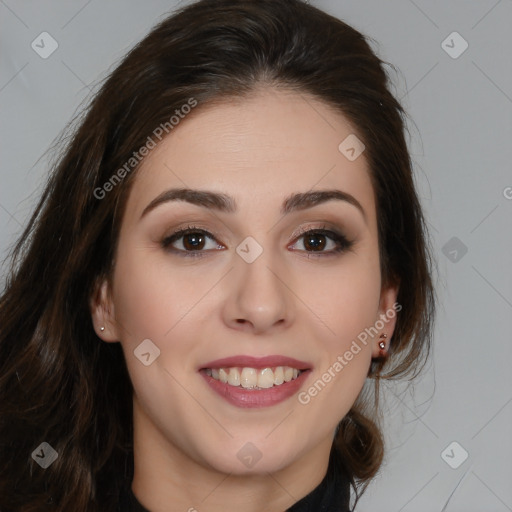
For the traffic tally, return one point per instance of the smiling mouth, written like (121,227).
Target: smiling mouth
(254,378)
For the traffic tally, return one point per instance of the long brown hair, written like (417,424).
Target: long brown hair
(59,383)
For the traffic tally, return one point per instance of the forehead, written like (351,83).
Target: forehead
(258,149)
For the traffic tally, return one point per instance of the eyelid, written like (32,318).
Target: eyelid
(301,230)
(179,232)
(343,243)
(191,226)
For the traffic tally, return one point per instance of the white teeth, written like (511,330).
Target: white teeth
(278,376)
(223,376)
(250,378)
(288,374)
(266,378)
(234,377)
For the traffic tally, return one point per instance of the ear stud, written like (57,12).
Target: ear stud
(382,343)
(102,329)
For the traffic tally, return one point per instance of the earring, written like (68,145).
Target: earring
(382,344)
(102,329)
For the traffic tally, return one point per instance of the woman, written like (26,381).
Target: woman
(227,259)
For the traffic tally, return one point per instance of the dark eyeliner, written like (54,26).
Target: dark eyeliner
(168,240)
(343,244)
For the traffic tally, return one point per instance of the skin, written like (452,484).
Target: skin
(186,438)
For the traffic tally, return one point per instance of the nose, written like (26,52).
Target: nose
(259,298)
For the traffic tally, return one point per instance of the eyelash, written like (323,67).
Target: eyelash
(343,243)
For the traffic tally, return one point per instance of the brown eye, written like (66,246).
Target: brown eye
(193,241)
(316,241)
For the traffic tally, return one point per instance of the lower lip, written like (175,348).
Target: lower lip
(246,398)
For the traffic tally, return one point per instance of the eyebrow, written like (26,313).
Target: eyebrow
(224,203)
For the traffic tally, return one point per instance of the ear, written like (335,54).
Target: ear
(386,321)
(102,313)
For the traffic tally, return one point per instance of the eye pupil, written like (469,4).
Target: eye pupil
(310,240)
(193,241)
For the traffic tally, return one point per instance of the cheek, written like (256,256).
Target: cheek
(347,301)
(150,297)
(159,301)
(346,298)
(153,302)
(347,304)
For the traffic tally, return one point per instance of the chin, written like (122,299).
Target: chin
(255,458)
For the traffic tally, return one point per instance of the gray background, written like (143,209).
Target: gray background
(461,147)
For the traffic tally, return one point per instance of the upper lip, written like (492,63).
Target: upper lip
(257,362)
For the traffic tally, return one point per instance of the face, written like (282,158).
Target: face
(289,280)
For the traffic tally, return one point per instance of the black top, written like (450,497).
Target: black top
(331,495)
